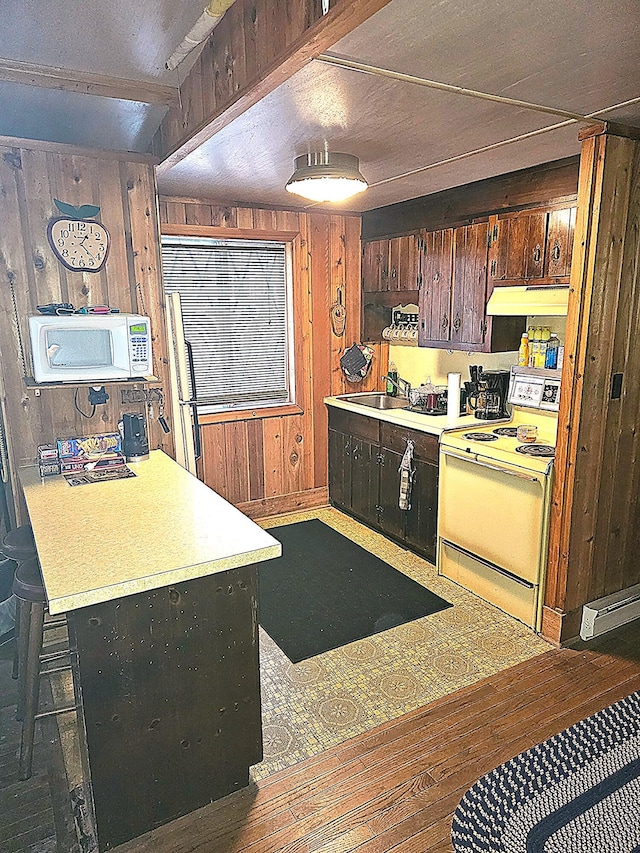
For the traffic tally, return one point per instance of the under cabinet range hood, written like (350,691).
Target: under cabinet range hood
(535,300)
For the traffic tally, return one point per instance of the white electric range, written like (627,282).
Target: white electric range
(495,497)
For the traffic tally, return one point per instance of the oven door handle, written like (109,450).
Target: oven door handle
(499,468)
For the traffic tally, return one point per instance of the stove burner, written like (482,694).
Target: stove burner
(510,432)
(536,449)
(480,436)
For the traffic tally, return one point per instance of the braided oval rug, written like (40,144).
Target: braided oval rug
(578,792)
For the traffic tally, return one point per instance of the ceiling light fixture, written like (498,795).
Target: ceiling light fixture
(324,176)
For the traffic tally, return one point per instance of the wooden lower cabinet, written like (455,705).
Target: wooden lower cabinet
(364,480)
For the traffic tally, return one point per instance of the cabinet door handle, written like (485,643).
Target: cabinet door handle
(490,565)
(556,252)
(445,321)
(473,460)
(537,255)
(457,322)
(493,267)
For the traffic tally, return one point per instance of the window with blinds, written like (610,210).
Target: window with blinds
(236,305)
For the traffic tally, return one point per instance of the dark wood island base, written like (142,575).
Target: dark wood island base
(168,689)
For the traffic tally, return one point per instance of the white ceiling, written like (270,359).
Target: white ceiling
(576,55)
(115,38)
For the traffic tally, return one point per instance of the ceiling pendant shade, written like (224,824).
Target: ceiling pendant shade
(324,176)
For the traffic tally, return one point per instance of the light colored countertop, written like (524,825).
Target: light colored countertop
(433,424)
(102,541)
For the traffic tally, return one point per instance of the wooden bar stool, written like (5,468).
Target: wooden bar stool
(29,590)
(18,544)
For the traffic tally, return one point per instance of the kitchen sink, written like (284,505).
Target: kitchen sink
(378,401)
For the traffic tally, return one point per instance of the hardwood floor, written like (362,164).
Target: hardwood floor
(396,787)
(35,814)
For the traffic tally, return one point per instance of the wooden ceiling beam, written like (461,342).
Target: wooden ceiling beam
(85,83)
(183,136)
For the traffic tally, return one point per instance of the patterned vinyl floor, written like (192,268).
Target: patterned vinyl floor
(315,704)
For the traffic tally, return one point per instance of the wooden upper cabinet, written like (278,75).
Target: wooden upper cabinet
(436,272)
(403,263)
(531,245)
(453,296)
(468,320)
(454,288)
(390,276)
(559,242)
(390,265)
(375,266)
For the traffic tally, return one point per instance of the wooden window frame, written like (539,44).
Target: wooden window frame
(292,238)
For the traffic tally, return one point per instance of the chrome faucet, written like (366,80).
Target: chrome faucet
(406,386)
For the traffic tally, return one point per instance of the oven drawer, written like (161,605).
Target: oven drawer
(495,511)
(516,597)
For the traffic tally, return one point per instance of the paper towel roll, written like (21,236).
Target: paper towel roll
(453,395)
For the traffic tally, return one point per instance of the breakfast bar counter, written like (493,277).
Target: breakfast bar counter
(157,576)
(102,541)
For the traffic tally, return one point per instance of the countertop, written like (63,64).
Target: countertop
(433,424)
(103,541)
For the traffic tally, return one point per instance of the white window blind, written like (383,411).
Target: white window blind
(235,305)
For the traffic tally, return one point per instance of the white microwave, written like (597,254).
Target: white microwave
(87,347)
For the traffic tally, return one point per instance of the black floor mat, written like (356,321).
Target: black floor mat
(325,591)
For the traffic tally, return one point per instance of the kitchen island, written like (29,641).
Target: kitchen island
(157,577)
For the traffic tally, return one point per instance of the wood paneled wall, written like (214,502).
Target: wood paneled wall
(269,465)
(595,521)
(255,48)
(32,174)
(535,187)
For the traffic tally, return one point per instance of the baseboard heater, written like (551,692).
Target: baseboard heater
(610,612)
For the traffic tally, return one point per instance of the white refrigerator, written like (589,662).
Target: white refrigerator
(183,388)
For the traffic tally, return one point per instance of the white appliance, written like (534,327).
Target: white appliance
(495,496)
(610,612)
(183,388)
(87,347)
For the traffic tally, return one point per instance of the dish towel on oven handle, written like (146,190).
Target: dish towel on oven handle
(407,471)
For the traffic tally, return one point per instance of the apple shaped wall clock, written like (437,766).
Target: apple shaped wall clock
(78,242)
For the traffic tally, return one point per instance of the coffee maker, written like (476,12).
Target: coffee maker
(135,444)
(491,399)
